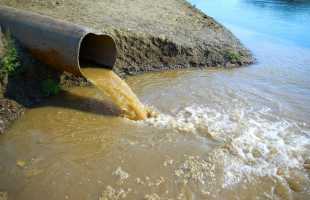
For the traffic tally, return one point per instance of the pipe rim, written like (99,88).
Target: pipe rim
(96,35)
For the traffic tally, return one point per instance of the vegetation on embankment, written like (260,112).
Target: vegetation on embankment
(9,64)
(150,36)
(25,82)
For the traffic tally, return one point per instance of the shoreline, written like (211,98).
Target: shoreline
(171,35)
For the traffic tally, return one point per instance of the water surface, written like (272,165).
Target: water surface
(222,133)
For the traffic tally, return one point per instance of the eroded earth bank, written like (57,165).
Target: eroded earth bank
(150,36)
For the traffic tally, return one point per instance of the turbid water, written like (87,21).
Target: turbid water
(118,90)
(222,134)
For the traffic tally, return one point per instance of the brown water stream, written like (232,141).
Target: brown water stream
(224,134)
(207,144)
(118,90)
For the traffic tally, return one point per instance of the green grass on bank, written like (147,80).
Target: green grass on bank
(233,56)
(11,66)
(50,87)
(9,63)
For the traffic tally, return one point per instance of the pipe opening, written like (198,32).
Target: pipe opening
(97,50)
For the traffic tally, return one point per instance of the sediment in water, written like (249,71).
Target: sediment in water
(183,37)
(118,90)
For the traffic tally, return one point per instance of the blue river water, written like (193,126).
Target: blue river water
(284,20)
(278,34)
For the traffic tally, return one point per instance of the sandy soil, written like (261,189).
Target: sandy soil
(151,35)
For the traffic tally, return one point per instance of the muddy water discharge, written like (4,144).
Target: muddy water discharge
(217,143)
(223,134)
(118,90)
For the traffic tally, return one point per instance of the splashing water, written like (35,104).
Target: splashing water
(221,134)
(256,143)
(118,90)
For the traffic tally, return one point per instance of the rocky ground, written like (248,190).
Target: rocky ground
(150,36)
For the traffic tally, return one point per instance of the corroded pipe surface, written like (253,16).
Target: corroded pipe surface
(62,45)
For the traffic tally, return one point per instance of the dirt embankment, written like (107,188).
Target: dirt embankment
(150,36)
(9,109)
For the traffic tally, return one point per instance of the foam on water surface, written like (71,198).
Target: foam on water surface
(255,142)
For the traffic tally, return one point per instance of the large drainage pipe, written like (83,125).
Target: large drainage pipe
(62,45)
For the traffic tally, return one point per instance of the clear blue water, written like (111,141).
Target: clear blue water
(278,34)
(284,20)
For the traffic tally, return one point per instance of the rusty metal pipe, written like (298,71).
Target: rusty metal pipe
(62,45)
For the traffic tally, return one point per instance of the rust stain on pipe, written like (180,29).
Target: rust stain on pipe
(62,45)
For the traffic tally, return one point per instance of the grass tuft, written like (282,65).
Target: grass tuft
(50,87)
(10,64)
(233,56)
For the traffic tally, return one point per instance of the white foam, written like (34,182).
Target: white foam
(259,142)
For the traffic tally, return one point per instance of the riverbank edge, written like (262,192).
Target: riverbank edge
(138,53)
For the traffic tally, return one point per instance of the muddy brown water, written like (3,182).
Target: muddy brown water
(221,134)
(118,91)
(205,144)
